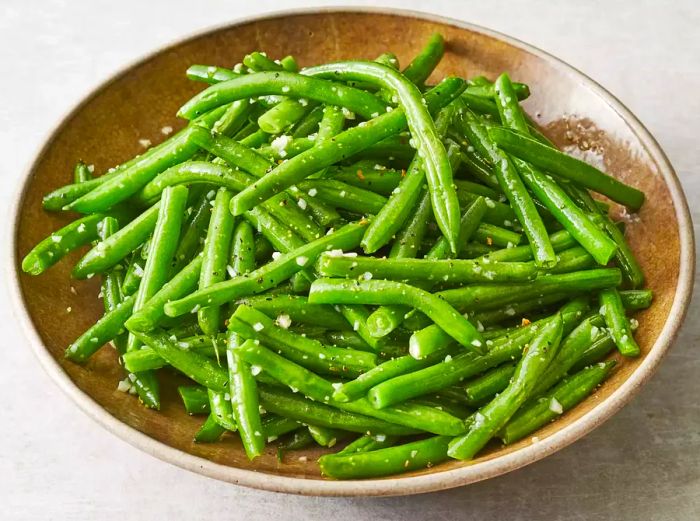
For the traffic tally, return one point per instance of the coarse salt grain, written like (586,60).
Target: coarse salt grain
(555,406)
(284,321)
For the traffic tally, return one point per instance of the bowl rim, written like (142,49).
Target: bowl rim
(386,486)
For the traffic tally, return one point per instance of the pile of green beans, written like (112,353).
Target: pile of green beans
(349,256)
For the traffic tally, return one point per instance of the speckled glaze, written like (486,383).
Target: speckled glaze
(138,102)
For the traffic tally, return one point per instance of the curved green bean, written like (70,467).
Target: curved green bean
(215,258)
(339,291)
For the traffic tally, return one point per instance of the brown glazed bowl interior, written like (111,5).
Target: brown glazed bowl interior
(137,103)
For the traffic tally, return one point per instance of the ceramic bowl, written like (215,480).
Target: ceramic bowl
(138,102)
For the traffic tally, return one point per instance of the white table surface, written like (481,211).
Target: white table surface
(55,463)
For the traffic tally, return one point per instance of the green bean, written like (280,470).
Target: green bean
(449,271)
(292,375)
(232,152)
(151,313)
(497,213)
(344,196)
(215,258)
(566,395)
(258,61)
(368,443)
(210,431)
(397,209)
(285,84)
(289,63)
(487,385)
(283,148)
(423,64)
(111,286)
(331,123)
(614,314)
(452,370)
(242,250)
(307,352)
(594,353)
(571,350)
(363,174)
(244,400)
(493,416)
(309,123)
(455,409)
(114,249)
(631,270)
(193,232)
(574,220)
(478,167)
(491,296)
(476,189)
(491,90)
(568,167)
(60,243)
(337,291)
(636,298)
(194,398)
(356,316)
(256,138)
(471,221)
(281,237)
(495,235)
(509,110)
(346,338)
(298,310)
(298,440)
(344,145)
(282,116)
(321,390)
(560,240)
(270,275)
(221,410)
(105,329)
(303,410)
(516,310)
(358,387)
(194,365)
(409,239)
(162,249)
(573,259)
(275,426)
(81,173)
(512,186)
(232,121)
(383,462)
(326,437)
(210,74)
(145,359)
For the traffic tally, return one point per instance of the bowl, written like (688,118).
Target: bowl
(138,102)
